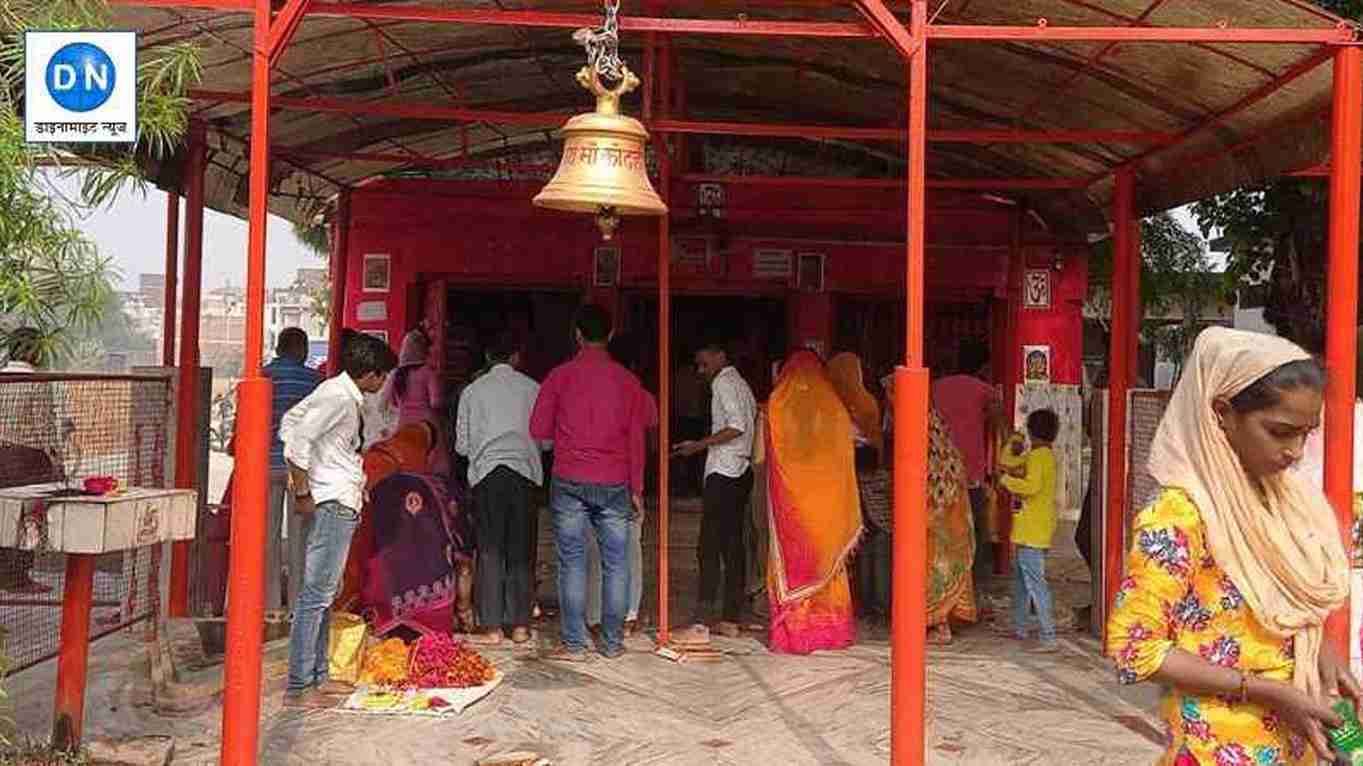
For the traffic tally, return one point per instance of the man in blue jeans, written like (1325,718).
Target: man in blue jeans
(323,436)
(595,412)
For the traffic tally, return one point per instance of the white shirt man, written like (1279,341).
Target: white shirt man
(728,486)
(493,432)
(493,425)
(322,437)
(732,407)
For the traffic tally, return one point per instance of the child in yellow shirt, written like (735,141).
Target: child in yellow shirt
(1030,476)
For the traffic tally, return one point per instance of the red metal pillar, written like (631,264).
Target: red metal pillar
(1121,372)
(69,715)
(909,609)
(340,266)
(172,275)
(663,55)
(187,406)
(246,587)
(1341,321)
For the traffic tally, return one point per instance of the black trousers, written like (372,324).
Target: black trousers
(504,580)
(721,542)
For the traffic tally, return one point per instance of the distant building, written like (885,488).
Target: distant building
(152,288)
(294,306)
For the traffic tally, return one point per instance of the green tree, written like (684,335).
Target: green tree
(51,276)
(1276,236)
(1176,276)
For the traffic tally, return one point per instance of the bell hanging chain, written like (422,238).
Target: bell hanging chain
(603,45)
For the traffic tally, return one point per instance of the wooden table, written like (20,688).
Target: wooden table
(45,518)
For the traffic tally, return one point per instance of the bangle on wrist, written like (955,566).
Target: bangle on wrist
(1244,686)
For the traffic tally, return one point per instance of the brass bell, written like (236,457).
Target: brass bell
(602,170)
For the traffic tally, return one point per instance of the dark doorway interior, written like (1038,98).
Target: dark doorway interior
(541,319)
(753,329)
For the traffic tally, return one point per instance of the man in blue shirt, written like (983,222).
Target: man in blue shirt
(292,380)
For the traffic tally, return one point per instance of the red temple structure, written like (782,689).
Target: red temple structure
(945,166)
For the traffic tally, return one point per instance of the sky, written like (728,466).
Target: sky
(132,231)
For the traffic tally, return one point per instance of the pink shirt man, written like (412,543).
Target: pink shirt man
(595,411)
(965,401)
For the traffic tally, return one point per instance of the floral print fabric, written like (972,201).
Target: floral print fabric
(1175,595)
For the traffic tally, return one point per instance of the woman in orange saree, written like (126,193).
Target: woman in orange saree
(814,511)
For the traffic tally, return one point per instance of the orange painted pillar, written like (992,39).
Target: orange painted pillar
(73,659)
(908,687)
(246,586)
(1341,320)
(1121,373)
(663,56)
(187,405)
(172,275)
(340,272)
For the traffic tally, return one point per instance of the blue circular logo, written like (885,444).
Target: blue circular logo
(80,77)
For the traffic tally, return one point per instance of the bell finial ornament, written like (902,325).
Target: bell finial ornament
(603,170)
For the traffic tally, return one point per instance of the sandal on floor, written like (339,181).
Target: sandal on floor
(486,639)
(565,654)
(521,635)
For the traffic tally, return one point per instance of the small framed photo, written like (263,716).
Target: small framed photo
(1036,365)
(606,266)
(1036,289)
(380,334)
(377,275)
(809,277)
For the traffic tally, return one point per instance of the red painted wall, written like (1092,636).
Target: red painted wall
(489,234)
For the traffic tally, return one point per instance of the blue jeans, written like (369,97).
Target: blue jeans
(1031,590)
(328,543)
(607,509)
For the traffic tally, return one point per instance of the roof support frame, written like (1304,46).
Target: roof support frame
(1338,35)
(393,108)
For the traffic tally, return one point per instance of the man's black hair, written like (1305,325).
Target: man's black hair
(504,345)
(594,323)
(365,354)
(1043,425)
(714,346)
(971,356)
(292,342)
(25,345)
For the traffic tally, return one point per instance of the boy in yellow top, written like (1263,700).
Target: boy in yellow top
(1031,477)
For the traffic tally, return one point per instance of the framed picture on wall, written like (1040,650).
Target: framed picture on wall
(809,277)
(606,266)
(1036,365)
(1036,289)
(377,275)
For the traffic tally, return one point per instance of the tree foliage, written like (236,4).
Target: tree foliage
(51,276)
(1176,274)
(1276,236)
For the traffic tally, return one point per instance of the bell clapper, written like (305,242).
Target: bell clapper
(607,220)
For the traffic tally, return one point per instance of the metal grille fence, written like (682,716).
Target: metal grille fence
(67,428)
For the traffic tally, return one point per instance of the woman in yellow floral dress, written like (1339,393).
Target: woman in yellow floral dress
(1235,566)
